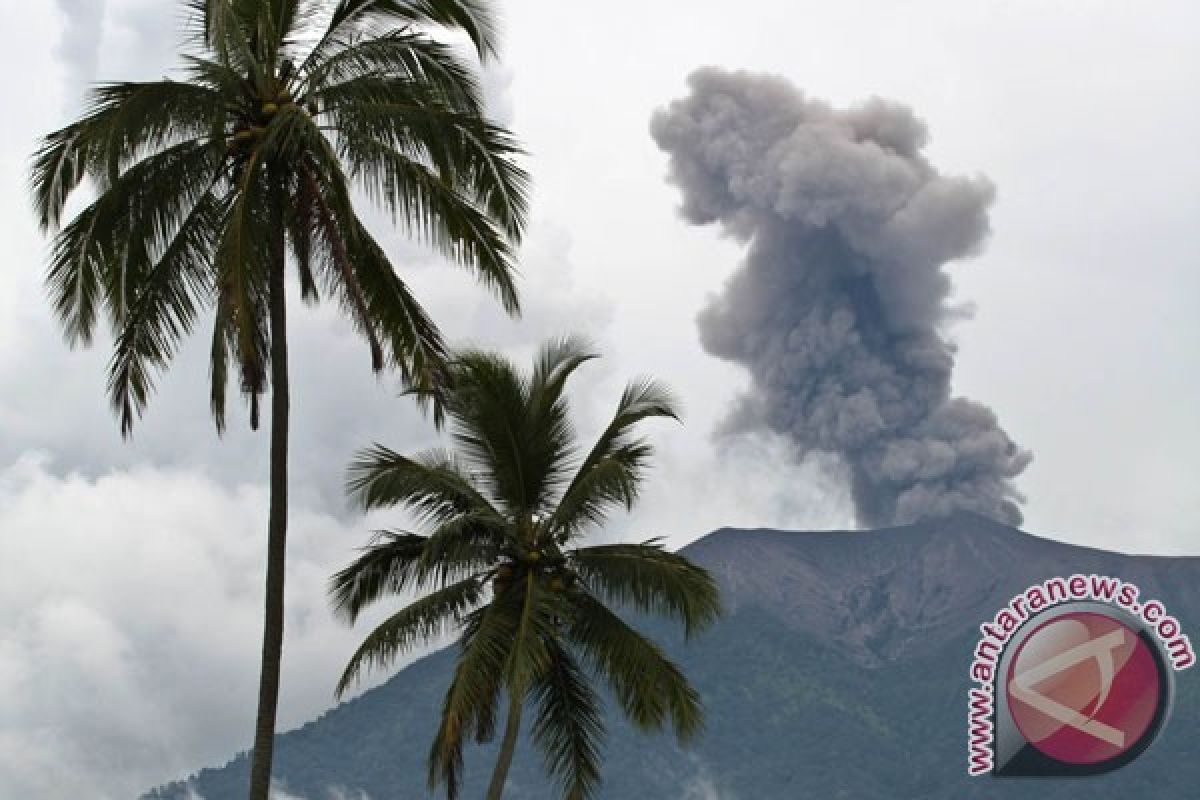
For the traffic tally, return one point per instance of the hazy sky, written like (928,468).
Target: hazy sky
(130,595)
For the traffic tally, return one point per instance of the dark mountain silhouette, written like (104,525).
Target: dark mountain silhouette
(839,671)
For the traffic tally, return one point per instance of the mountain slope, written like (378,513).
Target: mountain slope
(839,671)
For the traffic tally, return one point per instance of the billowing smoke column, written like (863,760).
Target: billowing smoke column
(838,309)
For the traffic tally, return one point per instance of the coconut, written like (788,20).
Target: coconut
(269,109)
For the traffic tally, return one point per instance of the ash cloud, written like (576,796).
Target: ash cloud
(839,308)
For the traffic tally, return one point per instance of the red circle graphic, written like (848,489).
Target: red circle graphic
(1083,688)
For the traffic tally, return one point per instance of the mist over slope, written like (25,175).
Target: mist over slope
(840,671)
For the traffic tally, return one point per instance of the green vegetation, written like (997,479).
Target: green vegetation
(794,708)
(205,185)
(504,514)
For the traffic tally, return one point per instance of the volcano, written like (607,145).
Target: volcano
(840,670)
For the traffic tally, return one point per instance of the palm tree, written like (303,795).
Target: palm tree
(501,563)
(203,186)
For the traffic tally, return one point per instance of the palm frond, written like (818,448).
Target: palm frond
(612,482)
(435,211)
(123,122)
(548,436)
(126,121)
(415,345)
(468,543)
(405,55)
(289,136)
(230,28)
(651,579)
(434,484)
(569,724)
(648,686)
(81,254)
(362,270)
(396,561)
(101,255)
(381,119)
(287,19)
(163,310)
(555,362)
(59,165)
(243,258)
(469,707)
(332,237)
(612,473)
(388,565)
(418,622)
(303,239)
(367,17)
(219,350)
(233,86)
(487,405)
(529,655)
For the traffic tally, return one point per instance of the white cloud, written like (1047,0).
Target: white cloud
(129,643)
(280,793)
(702,787)
(341,793)
(131,597)
(129,572)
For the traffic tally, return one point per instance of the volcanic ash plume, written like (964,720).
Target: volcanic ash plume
(838,309)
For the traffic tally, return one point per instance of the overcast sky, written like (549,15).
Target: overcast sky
(130,595)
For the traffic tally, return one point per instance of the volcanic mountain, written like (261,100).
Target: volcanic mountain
(839,671)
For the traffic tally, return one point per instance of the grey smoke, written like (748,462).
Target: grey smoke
(839,309)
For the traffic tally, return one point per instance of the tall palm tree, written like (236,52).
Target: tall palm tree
(500,562)
(203,186)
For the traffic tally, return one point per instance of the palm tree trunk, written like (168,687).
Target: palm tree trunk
(272,650)
(507,747)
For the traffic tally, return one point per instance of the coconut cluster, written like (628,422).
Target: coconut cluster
(259,108)
(548,565)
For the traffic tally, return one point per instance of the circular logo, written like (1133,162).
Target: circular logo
(1084,688)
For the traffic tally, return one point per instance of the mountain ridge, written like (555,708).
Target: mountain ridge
(840,670)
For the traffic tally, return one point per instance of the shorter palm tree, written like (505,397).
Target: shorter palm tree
(499,565)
